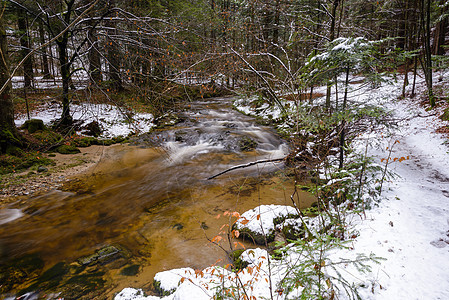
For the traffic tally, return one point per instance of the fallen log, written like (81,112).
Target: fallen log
(247,165)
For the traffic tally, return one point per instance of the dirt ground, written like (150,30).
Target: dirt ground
(67,167)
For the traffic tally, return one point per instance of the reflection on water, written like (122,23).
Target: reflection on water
(155,201)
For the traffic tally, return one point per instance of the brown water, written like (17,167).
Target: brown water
(156,201)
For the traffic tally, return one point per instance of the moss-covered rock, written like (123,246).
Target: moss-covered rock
(166,120)
(34,125)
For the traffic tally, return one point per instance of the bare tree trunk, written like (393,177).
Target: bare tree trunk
(343,121)
(440,33)
(25,43)
(427,64)
(113,63)
(8,132)
(45,68)
(94,57)
(331,38)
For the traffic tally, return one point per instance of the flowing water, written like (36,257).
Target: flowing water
(153,200)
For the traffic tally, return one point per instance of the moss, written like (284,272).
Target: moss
(84,142)
(132,270)
(257,238)
(13,164)
(160,290)
(67,149)
(15,151)
(239,264)
(48,137)
(34,125)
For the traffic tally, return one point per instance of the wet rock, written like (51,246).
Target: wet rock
(230,125)
(178,226)
(41,169)
(247,144)
(169,119)
(103,256)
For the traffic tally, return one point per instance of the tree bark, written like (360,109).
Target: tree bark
(8,131)
(45,68)
(113,62)
(427,64)
(94,57)
(331,38)
(25,43)
(439,38)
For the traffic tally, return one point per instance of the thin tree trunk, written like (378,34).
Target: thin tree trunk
(331,38)
(94,57)
(8,132)
(45,69)
(66,118)
(25,44)
(114,64)
(428,52)
(343,121)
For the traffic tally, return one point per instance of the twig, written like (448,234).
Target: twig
(247,165)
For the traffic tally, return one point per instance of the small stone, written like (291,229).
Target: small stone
(178,226)
(41,169)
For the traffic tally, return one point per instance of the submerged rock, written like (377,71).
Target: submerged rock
(103,256)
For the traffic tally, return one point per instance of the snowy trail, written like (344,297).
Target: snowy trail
(410,228)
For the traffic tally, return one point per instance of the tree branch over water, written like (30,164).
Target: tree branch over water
(247,165)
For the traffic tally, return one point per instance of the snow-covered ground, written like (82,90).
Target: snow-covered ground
(113,120)
(408,228)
